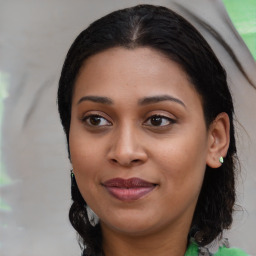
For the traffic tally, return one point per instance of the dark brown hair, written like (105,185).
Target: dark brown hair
(166,31)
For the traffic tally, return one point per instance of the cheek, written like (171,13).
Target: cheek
(182,162)
(85,157)
(84,150)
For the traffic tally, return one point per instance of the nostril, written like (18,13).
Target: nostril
(135,161)
(114,160)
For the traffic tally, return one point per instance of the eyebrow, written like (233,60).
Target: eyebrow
(159,98)
(97,99)
(141,102)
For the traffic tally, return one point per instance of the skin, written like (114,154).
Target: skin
(124,141)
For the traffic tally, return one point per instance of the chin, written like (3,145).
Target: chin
(134,230)
(133,225)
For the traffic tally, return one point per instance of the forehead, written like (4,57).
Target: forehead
(133,73)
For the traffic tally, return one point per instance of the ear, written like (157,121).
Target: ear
(218,140)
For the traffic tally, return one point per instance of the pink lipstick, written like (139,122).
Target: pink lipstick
(128,189)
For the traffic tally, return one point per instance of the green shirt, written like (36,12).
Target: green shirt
(193,250)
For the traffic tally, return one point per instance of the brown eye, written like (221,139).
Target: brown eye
(96,120)
(158,120)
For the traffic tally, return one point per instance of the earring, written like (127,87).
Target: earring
(74,187)
(73,180)
(221,160)
(75,193)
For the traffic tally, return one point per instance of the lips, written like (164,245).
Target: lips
(128,189)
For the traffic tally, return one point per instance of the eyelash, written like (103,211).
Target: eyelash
(161,117)
(88,121)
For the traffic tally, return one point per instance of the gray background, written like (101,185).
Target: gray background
(34,38)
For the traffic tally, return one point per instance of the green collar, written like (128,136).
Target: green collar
(194,250)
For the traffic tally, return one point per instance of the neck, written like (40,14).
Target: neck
(160,243)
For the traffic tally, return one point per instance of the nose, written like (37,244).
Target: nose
(127,148)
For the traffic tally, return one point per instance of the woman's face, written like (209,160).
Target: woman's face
(138,141)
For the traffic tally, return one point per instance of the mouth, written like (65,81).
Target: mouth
(128,189)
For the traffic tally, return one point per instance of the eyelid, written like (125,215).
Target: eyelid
(162,113)
(89,114)
(170,120)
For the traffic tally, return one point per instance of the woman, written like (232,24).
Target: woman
(148,116)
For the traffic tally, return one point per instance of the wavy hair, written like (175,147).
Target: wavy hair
(167,32)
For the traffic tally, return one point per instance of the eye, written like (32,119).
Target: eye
(96,120)
(158,120)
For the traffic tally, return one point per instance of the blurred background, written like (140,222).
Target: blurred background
(34,169)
